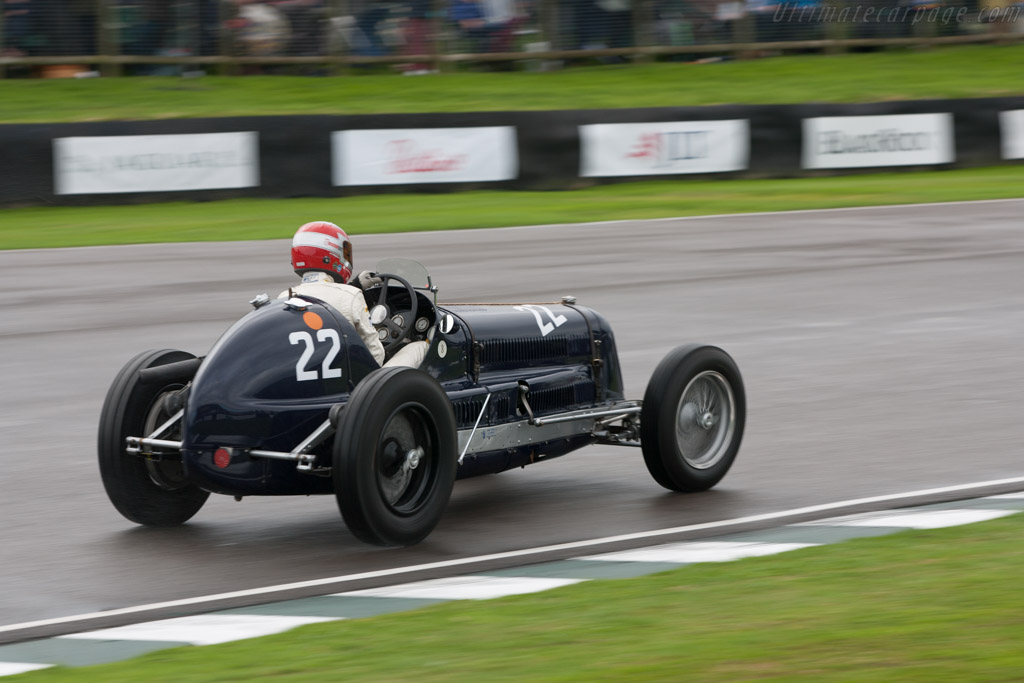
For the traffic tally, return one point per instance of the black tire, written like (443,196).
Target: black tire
(689,445)
(146,492)
(392,412)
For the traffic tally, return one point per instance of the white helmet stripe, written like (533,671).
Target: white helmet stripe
(319,240)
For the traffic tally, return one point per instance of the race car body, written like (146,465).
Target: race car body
(290,401)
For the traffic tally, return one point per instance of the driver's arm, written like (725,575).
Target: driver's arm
(360,318)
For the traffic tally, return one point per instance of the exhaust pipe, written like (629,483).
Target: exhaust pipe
(182,371)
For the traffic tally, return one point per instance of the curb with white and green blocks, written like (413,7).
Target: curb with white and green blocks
(124,642)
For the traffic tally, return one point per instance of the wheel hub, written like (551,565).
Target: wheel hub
(168,474)
(412,459)
(688,415)
(403,459)
(704,425)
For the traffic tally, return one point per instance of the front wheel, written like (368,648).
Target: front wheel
(150,492)
(692,419)
(395,457)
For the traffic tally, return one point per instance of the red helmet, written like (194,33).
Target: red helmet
(322,246)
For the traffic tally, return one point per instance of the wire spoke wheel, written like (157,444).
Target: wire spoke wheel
(705,422)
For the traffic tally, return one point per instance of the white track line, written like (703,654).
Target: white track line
(525,553)
(914,519)
(202,629)
(13,668)
(466,588)
(698,551)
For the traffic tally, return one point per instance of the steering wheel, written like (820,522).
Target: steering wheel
(398,332)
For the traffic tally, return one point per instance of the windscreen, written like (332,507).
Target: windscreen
(412,271)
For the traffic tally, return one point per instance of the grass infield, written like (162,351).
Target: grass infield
(250,219)
(941,605)
(972,71)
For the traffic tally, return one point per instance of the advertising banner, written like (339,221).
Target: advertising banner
(1011,124)
(667,148)
(155,163)
(403,156)
(889,140)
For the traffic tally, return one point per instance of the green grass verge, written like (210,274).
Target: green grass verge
(975,71)
(917,606)
(253,219)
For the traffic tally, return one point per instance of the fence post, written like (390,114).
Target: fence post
(3,69)
(835,29)
(334,38)
(642,16)
(225,15)
(744,30)
(107,36)
(437,22)
(549,23)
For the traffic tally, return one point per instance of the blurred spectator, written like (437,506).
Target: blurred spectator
(468,16)
(503,18)
(369,15)
(618,22)
(487,25)
(689,22)
(767,29)
(305,19)
(20,37)
(602,23)
(146,27)
(728,17)
(64,27)
(417,32)
(588,21)
(209,27)
(260,29)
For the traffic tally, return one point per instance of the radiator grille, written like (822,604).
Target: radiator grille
(562,397)
(467,409)
(531,349)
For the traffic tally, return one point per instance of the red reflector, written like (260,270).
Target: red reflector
(222,457)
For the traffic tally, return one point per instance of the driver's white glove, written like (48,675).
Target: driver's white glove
(367,279)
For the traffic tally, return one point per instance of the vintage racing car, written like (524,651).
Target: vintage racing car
(290,401)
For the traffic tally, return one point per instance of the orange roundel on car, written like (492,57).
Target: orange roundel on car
(313,320)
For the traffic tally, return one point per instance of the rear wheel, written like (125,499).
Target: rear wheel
(154,493)
(692,419)
(395,456)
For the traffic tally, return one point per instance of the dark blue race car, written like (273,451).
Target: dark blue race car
(289,401)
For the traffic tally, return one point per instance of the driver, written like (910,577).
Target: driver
(322,256)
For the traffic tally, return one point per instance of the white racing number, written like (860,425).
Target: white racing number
(546,328)
(303,374)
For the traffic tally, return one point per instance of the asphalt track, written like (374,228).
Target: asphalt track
(881,350)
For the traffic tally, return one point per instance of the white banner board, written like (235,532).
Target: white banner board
(155,163)
(889,140)
(668,148)
(404,156)
(1011,124)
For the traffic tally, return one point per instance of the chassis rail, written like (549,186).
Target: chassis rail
(599,423)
